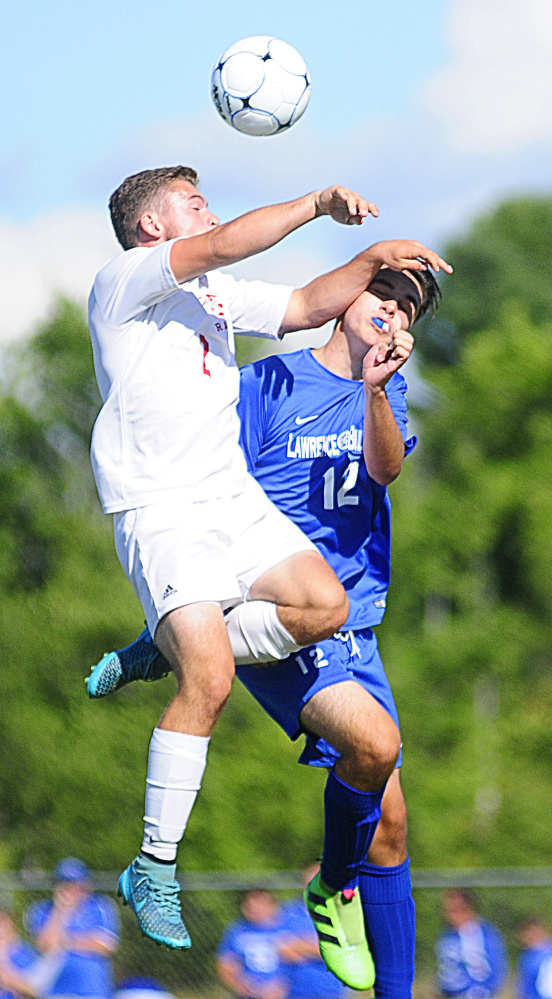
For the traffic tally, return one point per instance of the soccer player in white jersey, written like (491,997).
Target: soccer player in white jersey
(194,532)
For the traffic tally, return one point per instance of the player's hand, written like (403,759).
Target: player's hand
(343,205)
(384,359)
(402,254)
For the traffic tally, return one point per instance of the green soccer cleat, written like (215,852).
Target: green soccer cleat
(339,922)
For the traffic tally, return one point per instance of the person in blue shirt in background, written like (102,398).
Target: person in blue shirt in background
(306,973)
(18,960)
(534,970)
(248,957)
(83,927)
(471,954)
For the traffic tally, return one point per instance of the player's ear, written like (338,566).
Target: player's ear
(149,226)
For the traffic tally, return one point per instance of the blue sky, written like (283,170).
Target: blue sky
(434,110)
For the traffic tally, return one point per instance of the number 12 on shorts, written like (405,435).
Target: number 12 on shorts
(315,654)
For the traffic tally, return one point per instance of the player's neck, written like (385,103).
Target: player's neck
(339,357)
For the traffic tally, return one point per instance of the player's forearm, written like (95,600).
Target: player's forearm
(243,237)
(383,444)
(329,295)
(91,945)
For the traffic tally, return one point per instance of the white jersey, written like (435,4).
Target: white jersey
(166,370)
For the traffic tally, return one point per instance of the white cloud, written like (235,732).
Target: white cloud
(496,94)
(59,254)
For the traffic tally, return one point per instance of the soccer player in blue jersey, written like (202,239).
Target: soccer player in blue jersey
(324,432)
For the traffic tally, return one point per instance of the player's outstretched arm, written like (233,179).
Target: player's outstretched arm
(331,294)
(260,229)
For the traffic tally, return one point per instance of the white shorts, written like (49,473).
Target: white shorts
(176,552)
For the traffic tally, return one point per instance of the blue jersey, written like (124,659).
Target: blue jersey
(255,947)
(307,979)
(19,957)
(472,961)
(301,432)
(81,973)
(534,979)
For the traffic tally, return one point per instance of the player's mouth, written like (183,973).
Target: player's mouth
(380,324)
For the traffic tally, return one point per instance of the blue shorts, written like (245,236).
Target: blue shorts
(284,688)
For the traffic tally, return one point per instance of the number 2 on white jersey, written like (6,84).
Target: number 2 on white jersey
(349,482)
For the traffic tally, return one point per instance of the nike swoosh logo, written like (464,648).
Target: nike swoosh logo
(305,419)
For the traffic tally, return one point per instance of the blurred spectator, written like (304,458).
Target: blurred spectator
(248,960)
(81,928)
(534,978)
(305,970)
(142,988)
(471,954)
(17,959)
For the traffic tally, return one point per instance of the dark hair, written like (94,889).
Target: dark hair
(431,292)
(139,192)
(466,894)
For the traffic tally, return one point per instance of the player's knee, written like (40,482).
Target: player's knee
(330,613)
(210,693)
(376,757)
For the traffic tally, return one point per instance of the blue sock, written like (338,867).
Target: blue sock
(350,820)
(389,915)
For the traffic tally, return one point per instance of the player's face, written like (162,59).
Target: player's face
(186,212)
(380,311)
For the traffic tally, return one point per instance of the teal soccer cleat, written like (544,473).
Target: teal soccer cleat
(152,892)
(141,660)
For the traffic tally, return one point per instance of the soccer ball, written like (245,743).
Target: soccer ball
(260,85)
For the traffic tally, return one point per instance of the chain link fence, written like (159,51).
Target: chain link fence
(211,900)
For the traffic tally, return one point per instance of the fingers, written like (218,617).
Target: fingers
(400,254)
(356,207)
(401,346)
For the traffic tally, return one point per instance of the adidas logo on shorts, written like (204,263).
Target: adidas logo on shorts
(168,591)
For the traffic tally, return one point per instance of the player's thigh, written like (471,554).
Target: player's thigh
(195,641)
(274,560)
(176,554)
(353,722)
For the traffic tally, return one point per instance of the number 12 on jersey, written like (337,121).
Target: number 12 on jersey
(348,483)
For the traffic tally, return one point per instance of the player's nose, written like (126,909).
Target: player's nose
(213,220)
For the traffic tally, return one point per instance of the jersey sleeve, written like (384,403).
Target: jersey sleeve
(104,917)
(227,946)
(134,281)
(256,308)
(396,390)
(498,960)
(36,917)
(252,413)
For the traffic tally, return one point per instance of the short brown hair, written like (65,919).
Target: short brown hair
(139,192)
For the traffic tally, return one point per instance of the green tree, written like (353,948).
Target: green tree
(468,633)
(506,254)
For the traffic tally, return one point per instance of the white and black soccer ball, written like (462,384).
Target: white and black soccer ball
(261,85)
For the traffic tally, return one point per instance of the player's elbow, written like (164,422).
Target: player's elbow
(384,473)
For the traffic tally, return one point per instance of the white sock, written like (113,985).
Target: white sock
(257,635)
(175,768)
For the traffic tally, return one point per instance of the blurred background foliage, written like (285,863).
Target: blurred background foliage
(467,638)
